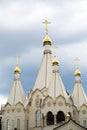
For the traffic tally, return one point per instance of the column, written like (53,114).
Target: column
(44,120)
(54,119)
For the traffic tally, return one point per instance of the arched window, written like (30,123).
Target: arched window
(38,118)
(50,118)
(60,117)
(18,124)
(8,124)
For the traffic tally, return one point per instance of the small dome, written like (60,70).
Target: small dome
(55,61)
(47,41)
(67,115)
(17,70)
(77,72)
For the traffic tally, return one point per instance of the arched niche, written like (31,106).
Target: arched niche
(60,116)
(49,118)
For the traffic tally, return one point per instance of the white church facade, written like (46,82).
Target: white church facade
(48,106)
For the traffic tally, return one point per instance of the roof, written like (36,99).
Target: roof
(74,123)
(45,72)
(16,94)
(79,95)
(56,86)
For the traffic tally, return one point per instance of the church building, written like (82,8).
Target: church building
(48,106)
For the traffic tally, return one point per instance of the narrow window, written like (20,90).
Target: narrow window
(8,124)
(18,124)
(38,118)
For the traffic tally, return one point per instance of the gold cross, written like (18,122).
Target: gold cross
(46,22)
(55,48)
(17,58)
(77,60)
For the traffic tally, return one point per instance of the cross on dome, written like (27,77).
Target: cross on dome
(55,61)
(77,61)
(17,69)
(17,59)
(55,48)
(77,72)
(46,23)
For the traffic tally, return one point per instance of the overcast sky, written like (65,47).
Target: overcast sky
(22,32)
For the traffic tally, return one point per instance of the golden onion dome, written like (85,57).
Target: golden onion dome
(77,73)
(47,41)
(17,70)
(55,61)
(68,115)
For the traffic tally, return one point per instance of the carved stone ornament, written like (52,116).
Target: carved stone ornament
(8,110)
(83,111)
(48,104)
(18,109)
(60,103)
(37,96)
(37,103)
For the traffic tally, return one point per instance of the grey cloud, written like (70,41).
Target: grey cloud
(12,43)
(22,32)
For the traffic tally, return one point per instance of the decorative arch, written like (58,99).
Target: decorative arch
(49,118)
(7,104)
(60,116)
(38,102)
(38,118)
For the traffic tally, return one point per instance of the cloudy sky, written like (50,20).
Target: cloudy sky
(22,33)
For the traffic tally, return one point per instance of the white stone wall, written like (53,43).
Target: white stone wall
(17,112)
